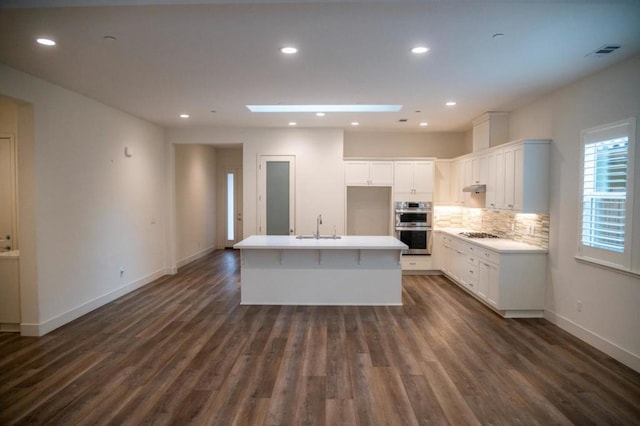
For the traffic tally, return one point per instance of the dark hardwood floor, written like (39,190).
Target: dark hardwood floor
(182,350)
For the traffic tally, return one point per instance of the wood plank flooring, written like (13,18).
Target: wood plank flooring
(183,351)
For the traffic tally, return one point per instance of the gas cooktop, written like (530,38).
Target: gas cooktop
(478,235)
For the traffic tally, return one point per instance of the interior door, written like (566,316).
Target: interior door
(233,206)
(276,195)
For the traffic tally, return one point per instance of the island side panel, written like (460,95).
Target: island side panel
(320,277)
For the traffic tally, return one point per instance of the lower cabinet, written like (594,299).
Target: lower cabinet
(414,263)
(512,283)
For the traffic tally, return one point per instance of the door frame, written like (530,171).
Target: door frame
(237,208)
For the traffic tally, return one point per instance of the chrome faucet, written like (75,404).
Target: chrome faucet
(318,223)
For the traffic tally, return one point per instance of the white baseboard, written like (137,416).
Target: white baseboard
(40,329)
(629,359)
(195,256)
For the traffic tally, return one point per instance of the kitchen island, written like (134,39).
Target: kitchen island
(347,270)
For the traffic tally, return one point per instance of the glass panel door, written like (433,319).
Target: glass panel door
(276,195)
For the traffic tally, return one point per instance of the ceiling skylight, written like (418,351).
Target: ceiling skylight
(324,108)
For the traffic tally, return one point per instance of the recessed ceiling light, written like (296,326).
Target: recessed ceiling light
(355,123)
(46,41)
(110,38)
(293,123)
(451,103)
(289,50)
(324,108)
(424,124)
(184,115)
(420,49)
(320,114)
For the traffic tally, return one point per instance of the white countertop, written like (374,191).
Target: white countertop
(348,242)
(500,245)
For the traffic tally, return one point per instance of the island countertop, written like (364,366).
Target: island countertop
(348,242)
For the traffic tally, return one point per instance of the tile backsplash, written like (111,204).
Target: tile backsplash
(529,228)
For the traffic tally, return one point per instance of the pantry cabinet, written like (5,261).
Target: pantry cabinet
(368,173)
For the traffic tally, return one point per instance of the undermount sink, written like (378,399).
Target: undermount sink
(321,237)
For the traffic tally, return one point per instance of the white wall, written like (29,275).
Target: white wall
(319,169)
(195,201)
(610,314)
(88,209)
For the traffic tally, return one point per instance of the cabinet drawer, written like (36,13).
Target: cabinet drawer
(489,256)
(472,277)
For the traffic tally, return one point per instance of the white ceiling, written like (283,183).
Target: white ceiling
(175,57)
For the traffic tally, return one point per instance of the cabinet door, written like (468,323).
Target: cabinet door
(500,178)
(466,176)
(491,181)
(381,173)
(493,284)
(509,178)
(356,173)
(403,177)
(423,172)
(475,170)
(483,280)
(518,173)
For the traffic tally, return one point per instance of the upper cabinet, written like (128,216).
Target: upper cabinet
(518,177)
(413,180)
(368,173)
(490,129)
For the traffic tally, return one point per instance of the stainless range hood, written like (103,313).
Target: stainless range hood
(477,189)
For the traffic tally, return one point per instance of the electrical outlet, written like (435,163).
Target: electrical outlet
(579,305)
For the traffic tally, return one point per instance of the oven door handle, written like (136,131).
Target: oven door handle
(412,211)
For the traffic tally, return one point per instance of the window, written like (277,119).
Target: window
(606,190)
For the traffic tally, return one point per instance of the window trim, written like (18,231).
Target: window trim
(619,262)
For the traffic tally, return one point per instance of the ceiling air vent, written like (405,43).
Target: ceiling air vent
(604,50)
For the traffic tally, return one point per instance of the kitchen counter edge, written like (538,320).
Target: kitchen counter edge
(499,245)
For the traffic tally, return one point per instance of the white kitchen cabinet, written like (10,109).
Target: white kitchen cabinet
(414,180)
(492,178)
(512,283)
(509,177)
(490,129)
(422,263)
(368,173)
(519,177)
(465,175)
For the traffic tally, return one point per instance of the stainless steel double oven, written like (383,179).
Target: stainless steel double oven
(413,225)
